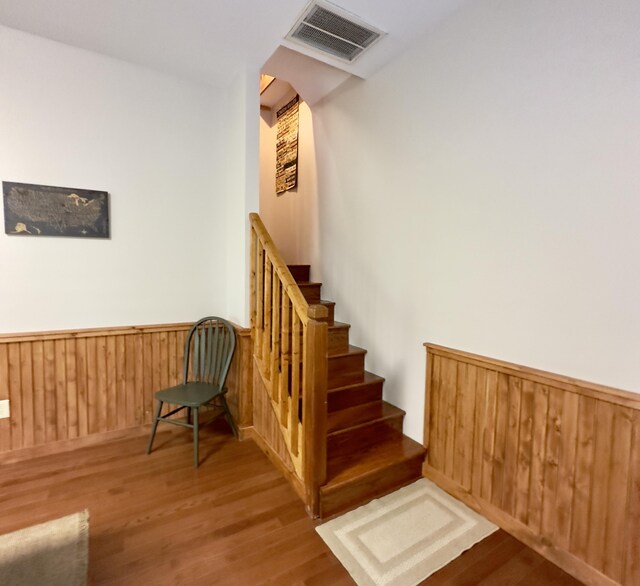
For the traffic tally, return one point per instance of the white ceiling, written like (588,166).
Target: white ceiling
(211,40)
(312,79)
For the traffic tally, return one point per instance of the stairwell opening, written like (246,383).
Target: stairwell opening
(290,216)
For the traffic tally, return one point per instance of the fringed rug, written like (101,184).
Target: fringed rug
(53,553)
(404,537)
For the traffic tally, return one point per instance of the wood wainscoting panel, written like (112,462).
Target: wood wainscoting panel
(240,381)
(67,385)
(267,433)
(553,460)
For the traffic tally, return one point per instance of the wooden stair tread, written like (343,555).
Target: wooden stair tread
(369,379)
(351,465)
(353,350)
(353,417)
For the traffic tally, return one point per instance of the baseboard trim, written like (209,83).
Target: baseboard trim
(69,445)
(569,563)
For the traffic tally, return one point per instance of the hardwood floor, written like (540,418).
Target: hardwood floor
(234,520)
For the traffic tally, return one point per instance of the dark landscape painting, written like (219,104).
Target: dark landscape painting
(40,210)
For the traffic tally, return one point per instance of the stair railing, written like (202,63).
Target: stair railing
(290,350)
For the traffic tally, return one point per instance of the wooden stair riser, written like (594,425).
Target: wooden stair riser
(311,292)
(356,417)
(362,434)
(300,273)
(372,485)
(345,397)
(345,369)
(338,342)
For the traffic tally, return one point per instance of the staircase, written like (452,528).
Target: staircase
(367,454)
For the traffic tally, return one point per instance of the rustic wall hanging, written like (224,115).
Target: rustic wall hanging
(287,147)
(40,210)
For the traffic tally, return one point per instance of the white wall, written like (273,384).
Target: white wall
(290,217)
(74,118)
(483,192)
(241,190)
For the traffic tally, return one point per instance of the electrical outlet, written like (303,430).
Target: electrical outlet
(4,409)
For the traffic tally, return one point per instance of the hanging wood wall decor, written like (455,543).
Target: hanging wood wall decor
(287,147)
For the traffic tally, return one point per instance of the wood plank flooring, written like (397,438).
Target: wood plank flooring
(234,520)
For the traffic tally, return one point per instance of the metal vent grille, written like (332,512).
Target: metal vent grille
(329,29)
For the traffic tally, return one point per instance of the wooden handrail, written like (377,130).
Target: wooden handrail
(290,349)
(284,274)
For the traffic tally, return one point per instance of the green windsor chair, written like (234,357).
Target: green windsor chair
(209,348)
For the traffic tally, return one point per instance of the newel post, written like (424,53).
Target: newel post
(314,406)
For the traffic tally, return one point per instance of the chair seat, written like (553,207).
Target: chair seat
(192,394)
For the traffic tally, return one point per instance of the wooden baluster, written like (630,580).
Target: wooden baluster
(285,360)
(275,338)
(295,383)
(259,299)
(266,341)
(252,277)
(314,406)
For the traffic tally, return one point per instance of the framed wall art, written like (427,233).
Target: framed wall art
(287,147)
(41,210)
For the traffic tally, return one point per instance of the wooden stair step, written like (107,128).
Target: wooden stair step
(370,389)
(357,474)
(361,425)
(346,368)
(300,272)
(338,342)
(347,420)
(311,291)
(358,459)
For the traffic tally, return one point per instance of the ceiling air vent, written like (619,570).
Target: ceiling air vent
(330,29)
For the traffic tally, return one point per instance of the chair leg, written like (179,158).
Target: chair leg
(154,426)
(227,416)
(195,437)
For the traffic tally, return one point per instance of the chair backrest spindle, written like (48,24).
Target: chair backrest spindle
(217,353)
(211,342)
(209,348)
